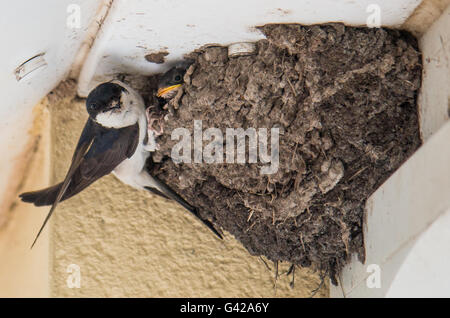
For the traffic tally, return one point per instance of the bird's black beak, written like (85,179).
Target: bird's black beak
(114,106)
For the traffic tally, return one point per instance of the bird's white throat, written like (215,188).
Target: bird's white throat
(131,110)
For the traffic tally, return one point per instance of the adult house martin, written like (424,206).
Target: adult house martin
(114,139)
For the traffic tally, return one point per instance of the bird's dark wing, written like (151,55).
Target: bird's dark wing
(165,191)
(109,148)
(98,152)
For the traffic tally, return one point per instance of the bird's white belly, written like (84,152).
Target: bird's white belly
(129,170)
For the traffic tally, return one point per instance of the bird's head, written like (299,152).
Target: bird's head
(105,98)
(112,105)
(171,81)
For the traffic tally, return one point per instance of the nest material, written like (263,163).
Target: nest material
(345,101)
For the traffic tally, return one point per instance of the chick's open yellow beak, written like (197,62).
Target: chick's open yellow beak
(162,91)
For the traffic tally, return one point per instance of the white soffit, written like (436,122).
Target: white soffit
(434,98)
(135,28)
(30,29)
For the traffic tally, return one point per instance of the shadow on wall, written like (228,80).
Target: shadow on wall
(25,272)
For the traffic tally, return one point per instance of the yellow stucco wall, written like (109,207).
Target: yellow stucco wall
(25,272)
(131,243)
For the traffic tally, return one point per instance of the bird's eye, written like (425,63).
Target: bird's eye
(178,78)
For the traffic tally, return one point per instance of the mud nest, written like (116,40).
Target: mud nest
(344,99)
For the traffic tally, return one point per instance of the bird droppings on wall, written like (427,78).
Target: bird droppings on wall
(158,58)
(344,102)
